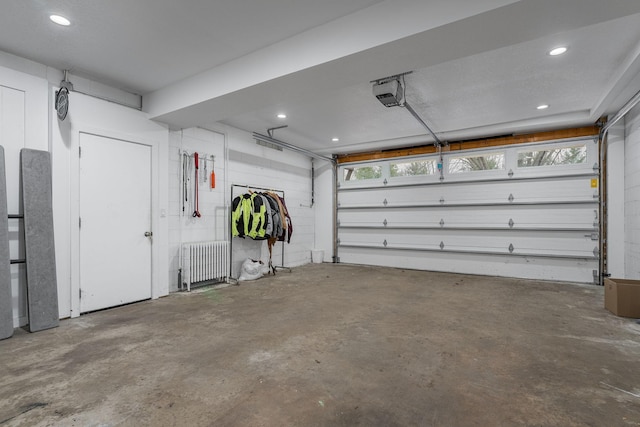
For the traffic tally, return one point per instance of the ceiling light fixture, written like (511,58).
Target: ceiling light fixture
(281,116)
(557,51)
(542,107)
(335,139)
(60,20)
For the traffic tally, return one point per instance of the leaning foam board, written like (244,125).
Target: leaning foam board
(6,310)
(42,289)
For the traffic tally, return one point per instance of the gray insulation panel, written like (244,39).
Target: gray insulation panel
(42,288)
(6,310)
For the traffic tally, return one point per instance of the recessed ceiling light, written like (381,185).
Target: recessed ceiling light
(542,107)
(281,116)
(60,20)
(335,139)
(557,51)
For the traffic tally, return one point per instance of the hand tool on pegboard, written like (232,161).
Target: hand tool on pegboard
(196,212)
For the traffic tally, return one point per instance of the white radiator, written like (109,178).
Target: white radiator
(205,262)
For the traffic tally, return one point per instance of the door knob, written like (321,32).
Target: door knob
(148,233)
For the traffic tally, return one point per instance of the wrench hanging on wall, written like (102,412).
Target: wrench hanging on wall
(196,212)
(186,171)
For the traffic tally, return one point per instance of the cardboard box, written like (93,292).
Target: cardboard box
(622,297)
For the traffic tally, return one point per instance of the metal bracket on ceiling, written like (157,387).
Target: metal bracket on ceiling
(270,130)
(269,144)
(390,78)
(403,103)
(65,81)
(263,139)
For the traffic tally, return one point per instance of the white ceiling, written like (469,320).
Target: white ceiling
(479,67)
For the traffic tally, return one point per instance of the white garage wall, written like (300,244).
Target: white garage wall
(94,116)
(23,124)
(324,188)
(255,165)
(615,201)
(632,194)
(183,227)
(39,129)
(247,164)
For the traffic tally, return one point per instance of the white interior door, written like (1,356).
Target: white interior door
(115,214)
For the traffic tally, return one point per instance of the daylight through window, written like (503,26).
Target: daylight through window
(557,156)
(482,162)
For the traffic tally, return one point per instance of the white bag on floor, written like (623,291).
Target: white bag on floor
(251,270)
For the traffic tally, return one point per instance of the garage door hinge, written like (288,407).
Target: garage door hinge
(511,223)
(511,248)
(510,173)
(441,222)
(596,167)
(384,222)
(511,197)
(594,236)
(385,243)
(596,252)
(385,182)
(385,202)
(441,245)
(441,199)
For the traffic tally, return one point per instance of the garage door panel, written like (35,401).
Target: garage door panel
(559,243)
(542,268)
(491,220)
(575,189)
(515,216)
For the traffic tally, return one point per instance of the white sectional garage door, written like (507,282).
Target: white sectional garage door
(528,211)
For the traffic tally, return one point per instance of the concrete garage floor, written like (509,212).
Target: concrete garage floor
(334,345)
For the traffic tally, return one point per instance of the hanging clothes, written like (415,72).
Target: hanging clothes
(261,216)
(240,212)
(248,216)
(268,223)
(274,216)
(289,227)
(282,210)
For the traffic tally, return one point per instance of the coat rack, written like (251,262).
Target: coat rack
(233,195)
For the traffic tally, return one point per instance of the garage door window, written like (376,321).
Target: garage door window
(413,168)
(558,156)
(360,173)
(484,162)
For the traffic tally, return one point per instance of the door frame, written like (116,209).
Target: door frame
(76,130)
(98,294)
